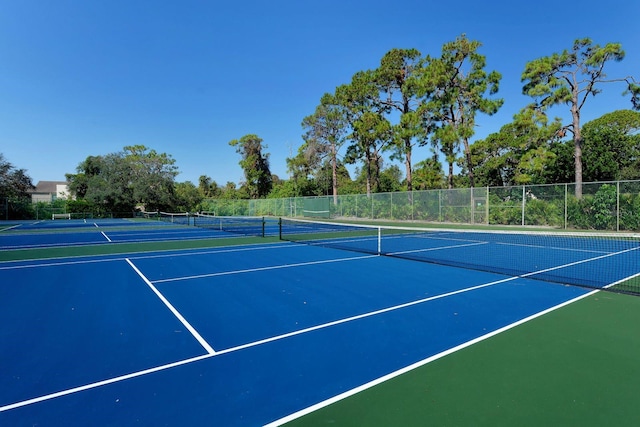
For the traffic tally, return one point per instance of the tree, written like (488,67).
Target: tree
(570,78)
(15,185)
(119,182)
(152,177)
(255,165)
(304,168)
(104,182)
(456,88)
(390,179)
(520,153)
(324,133)
(612,147)
(428,174)
(188,197)
(371,132)
(395,80)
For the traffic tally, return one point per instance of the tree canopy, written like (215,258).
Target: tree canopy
(14,183)
(570,78)
(255,164)
(137,177)
(612,147)
(380,116)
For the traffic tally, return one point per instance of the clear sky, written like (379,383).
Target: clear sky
(88,77)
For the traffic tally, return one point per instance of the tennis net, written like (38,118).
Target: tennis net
(182,218)
(245,225)
(595,260)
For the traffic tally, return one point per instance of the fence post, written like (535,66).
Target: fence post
(487,206)
(566,200)
(412,198)
(473,207)
(524,195)
(617,205)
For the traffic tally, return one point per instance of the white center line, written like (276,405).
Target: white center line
(175,312)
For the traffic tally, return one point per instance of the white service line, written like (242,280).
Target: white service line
(533,273)
(237,348)
(252,270)
(437,249)
(105,236)
(212,353)
(175,312)
(365,315)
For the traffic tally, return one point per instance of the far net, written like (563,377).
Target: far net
(244,225)
(595,260)
(181,218)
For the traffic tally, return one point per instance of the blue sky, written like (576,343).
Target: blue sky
(82,77)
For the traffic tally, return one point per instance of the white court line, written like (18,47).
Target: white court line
(156,254)
(274,267)
(622,280)
(552,247)
(175,312)
(279,337)
(416,365)
(105,236)
(101,383)
(436,249)
(571,264)
(48,246)
(365,315)
(237,348)
(12,227)
(96,225)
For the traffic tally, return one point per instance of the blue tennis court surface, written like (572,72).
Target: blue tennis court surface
(65,233)
(242,335)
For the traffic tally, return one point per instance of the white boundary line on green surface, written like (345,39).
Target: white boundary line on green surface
(416,365)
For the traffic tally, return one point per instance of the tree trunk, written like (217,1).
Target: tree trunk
(450,179)
(577,142)
(408,166)
(334,173)
(467,153)
(368,174)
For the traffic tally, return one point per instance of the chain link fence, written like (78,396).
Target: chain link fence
(604,206)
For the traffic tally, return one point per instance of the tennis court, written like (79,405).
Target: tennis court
(262,331)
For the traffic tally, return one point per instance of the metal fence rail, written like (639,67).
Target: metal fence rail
(604,206)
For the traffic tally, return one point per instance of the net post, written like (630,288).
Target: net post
(379,240)
(280,228)
(263,223)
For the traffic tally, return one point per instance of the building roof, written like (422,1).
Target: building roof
(48,186)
